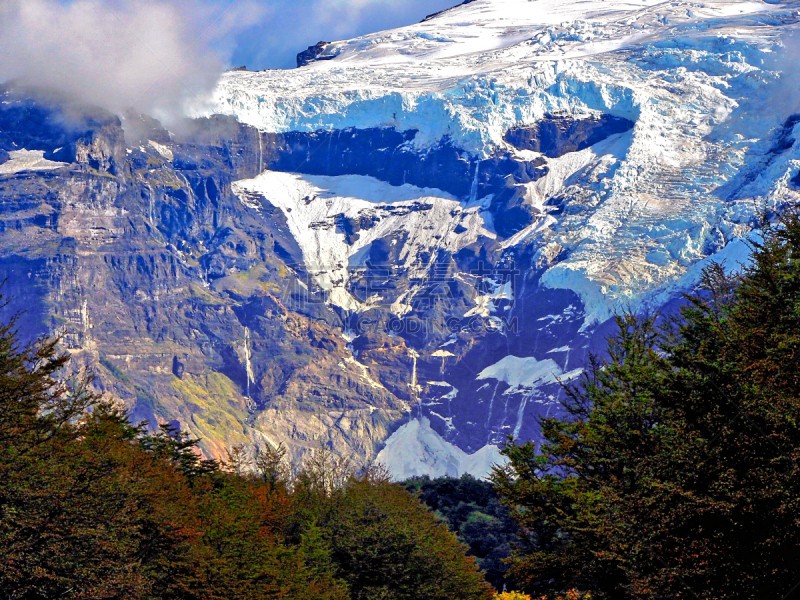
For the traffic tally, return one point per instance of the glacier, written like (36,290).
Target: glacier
(692,76)
(626,223)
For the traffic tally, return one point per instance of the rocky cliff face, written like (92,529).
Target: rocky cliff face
(418,239)
(193,298)
(156,275)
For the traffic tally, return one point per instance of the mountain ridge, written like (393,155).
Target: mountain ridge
(418,237)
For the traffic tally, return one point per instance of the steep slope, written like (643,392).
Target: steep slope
(152,271)
(405,247)
(601,152)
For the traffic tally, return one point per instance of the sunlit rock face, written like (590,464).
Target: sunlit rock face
(406,247)
(155,274)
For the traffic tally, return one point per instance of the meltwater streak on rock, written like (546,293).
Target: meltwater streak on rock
(248,361)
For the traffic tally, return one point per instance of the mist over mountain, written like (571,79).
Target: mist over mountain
(156,57)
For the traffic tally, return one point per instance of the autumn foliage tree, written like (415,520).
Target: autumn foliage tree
(675,473)
(92,506)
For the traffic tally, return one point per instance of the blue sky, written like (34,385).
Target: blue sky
(282,28)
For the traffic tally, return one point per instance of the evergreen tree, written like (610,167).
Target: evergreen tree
(675,473)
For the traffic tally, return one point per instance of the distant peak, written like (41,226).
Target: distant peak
(436,14)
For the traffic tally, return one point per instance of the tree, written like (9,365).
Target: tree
(386,545)
(271,463)
(85,511)
(50,533)
(92,506)
(674,473)
(376,537)
(472,510)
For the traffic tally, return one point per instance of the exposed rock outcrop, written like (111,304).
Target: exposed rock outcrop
(313,54)
(556,135)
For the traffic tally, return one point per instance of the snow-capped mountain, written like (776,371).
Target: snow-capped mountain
(404,247)
(597,153)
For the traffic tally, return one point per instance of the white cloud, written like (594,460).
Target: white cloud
(157,56)
(150,55)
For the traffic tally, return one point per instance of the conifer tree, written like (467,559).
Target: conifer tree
(675,472)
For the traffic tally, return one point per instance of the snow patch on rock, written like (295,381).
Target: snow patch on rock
(28,160)
(416,450)
(527,372)
(315,207)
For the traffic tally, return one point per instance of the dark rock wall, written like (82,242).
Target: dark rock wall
(185,301)
(313,54)
(556,135)
(388,155)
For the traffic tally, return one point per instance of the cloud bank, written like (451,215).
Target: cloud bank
(146,55)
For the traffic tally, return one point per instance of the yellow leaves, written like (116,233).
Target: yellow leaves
(570,595)
(511,596)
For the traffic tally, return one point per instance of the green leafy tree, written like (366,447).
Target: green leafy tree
(472,510)
(376,537)
(385,545)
